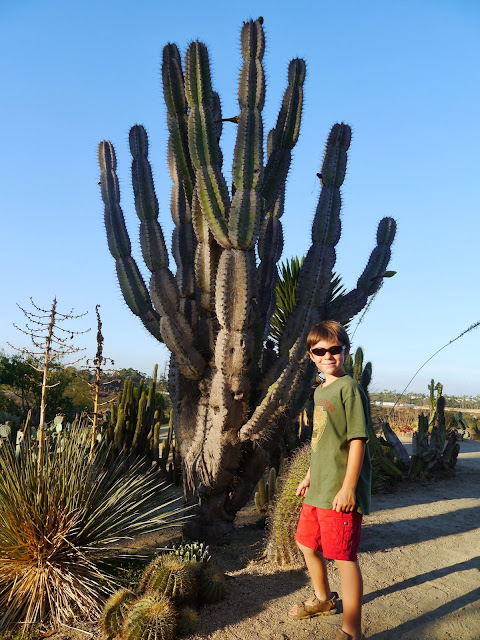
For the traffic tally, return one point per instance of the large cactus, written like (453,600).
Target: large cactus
(213,313)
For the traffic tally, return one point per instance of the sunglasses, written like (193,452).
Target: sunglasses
(338,348)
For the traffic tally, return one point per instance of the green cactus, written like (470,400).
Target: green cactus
(171,576)
(151,617)
(188,621)
(115,610)
(134,419)
(266,491)
(211,583)
(433,451)
(281,548)
(214,313)
(190,551)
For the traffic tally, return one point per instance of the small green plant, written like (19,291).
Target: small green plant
(266,491)
(190,551)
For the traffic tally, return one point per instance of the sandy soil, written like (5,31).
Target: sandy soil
(420,557)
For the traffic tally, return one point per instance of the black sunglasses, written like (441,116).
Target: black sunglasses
(338,348)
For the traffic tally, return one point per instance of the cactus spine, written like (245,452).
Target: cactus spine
(214,313)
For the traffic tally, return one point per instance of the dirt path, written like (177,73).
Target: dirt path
(420,561)
(419,556)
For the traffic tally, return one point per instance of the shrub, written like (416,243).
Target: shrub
(58,525)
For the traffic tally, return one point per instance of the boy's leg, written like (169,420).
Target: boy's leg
(352,597)
(317,569)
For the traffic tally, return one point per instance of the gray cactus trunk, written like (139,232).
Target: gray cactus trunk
(227,384)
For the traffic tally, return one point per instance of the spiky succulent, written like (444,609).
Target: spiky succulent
(171,576)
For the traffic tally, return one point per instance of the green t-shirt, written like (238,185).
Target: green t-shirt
(340,414)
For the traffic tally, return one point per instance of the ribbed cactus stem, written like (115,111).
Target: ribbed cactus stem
(131,282)
(211,188)
(151,617)
(246,209)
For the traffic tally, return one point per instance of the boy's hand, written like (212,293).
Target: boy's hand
(344,501)
(303,487)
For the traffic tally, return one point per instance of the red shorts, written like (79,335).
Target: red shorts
(336,535)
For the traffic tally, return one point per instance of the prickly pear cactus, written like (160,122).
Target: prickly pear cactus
(213,313)
(115,610)
(170,576)
(151,617)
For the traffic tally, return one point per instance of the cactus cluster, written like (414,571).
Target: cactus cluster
(227,386)
(468,426)
(266,491)
(161,607)
(167,452)
(190,551)
(135,418)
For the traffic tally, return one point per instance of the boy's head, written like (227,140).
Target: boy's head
(329,331)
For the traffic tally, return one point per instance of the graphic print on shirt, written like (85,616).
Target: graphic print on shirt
(319,422)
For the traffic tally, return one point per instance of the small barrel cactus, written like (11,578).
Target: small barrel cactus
(211,583)
(115,610)
(188,621)
(151,617)
(171,576)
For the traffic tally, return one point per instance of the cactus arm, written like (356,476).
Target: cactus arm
(175,329)
(211,187)
(177,118)
(207,252)
(245,211)
(280,141)
(347,306)
(285,134)
(131,282)
(316,271)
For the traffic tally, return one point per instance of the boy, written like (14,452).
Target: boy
(337,485)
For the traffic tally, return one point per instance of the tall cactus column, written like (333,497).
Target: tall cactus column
(214,312)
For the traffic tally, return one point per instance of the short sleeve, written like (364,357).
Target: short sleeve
(355,416)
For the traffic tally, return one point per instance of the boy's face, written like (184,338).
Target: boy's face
(331,365)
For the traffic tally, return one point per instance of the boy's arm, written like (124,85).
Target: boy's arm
(345,499)
(303,485)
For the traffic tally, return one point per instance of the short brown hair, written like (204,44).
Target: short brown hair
(328,330)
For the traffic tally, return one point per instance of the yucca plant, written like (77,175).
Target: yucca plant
(58,527)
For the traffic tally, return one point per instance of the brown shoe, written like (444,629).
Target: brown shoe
(342,635)
(317,608)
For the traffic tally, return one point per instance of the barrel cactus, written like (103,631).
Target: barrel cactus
(151,617)
(228,386)
(170,576)
(115,610)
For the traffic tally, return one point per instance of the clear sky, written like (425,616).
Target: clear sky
(403,74)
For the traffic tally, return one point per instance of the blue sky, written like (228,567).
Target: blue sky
(403,74)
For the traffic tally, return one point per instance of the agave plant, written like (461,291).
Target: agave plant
(58,527)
